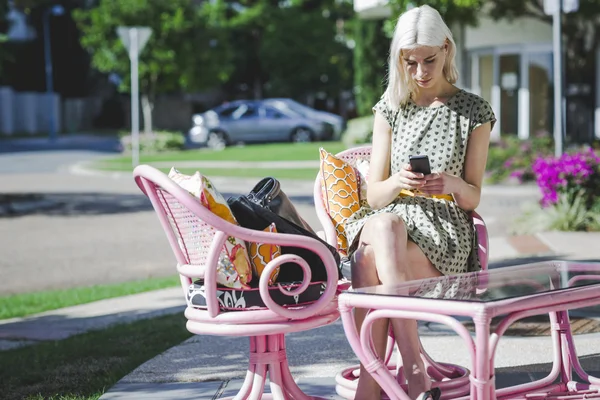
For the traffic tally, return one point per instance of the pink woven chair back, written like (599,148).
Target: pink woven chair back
(352,154)
(349,156)
(193,235)
(183,219)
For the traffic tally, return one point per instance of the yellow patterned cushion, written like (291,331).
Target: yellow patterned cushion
(340,187)
(262,253)
(233,269)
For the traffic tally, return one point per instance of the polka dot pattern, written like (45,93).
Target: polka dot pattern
(443,231)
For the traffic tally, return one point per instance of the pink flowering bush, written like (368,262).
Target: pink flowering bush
(570,187)
(568,175)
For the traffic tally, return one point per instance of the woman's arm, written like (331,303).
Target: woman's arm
(467,191)
(383,188)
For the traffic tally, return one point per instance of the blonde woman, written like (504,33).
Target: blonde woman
(402,236)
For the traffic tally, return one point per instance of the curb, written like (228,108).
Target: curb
(82,169)
(239,164)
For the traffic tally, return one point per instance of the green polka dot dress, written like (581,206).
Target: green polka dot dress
(443,231)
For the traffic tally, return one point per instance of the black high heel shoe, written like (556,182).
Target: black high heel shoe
(433,394)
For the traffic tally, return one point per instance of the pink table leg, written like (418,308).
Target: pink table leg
(565,357)
(481,380)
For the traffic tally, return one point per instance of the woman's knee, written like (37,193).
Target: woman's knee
(363,267)
(387,224)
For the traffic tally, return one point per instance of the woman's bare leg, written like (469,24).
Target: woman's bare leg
(386,256)
(364,274)
(406,331)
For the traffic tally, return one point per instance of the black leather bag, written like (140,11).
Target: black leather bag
(267,193)
(253,216)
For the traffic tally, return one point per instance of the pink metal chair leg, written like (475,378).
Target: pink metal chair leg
(268,356)
(247,385)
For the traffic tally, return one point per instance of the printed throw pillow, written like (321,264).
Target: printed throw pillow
(234,269)
(340,186)
(263,253)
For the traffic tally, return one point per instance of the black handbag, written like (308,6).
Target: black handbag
(267,193)
(252,216)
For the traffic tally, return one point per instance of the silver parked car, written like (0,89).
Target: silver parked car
(254,121)
(338,123)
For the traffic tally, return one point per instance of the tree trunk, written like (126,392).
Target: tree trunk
(147,107)
(257,84)
(257,88)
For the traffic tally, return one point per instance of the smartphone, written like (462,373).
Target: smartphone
(420,164)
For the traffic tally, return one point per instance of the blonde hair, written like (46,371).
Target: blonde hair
(419,26)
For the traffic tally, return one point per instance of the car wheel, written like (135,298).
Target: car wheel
(302,135)
(216,141)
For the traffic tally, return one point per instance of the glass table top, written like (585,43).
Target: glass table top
(496,284)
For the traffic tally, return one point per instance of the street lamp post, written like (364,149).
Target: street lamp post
(53,10)
(556,8)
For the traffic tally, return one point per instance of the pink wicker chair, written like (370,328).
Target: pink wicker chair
(455,378)
(196,237)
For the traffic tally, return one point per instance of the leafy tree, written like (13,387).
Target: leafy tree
(4,55)
(287,48)
(185,51)
(370,63)
(452,11)
(299,52)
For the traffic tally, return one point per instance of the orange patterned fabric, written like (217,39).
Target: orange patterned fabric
(234,269)
(340,187)
(263,253)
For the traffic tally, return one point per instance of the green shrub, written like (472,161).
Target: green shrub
(569,213)
(358,130)
(155,142)
(513,157)
(570,187)
(370,63)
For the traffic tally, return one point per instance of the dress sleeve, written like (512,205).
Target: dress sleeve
(383,108)
(483,114)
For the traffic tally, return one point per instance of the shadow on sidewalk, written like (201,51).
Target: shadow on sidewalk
(86,203)
(509,376)
(71,204)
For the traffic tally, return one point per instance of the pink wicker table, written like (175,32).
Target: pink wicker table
(511,293)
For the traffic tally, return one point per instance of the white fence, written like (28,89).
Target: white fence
(28,112)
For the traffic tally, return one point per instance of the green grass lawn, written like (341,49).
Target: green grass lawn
(85,366)
(262,152)
(256,152)
(20,305)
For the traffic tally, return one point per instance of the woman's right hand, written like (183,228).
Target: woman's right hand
(408,180)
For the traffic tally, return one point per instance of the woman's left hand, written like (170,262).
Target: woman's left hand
(440,183)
